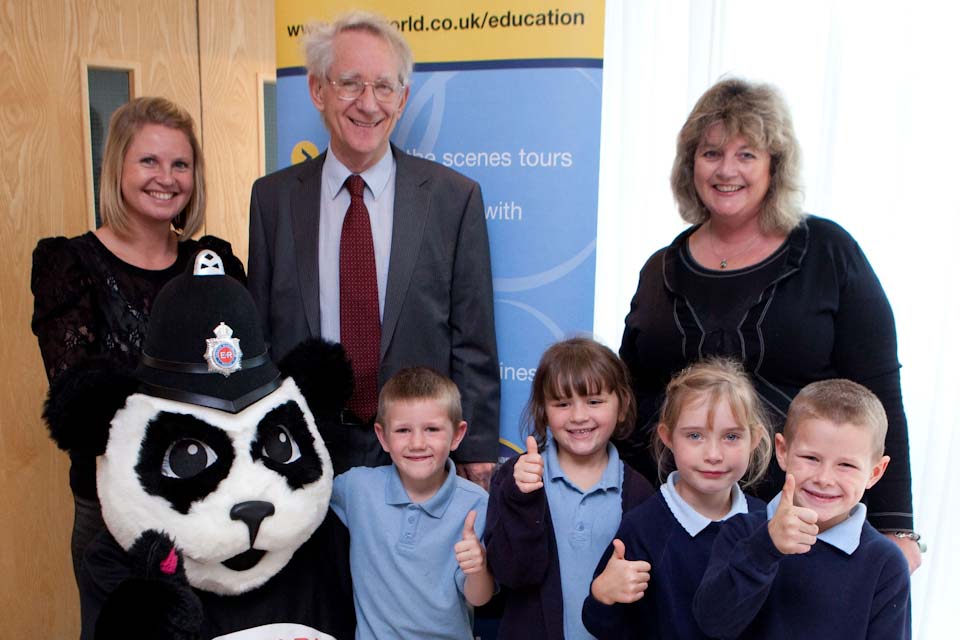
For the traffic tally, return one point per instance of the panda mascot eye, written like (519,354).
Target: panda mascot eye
(285,445)
(182,459)
(279,445)
(186,458)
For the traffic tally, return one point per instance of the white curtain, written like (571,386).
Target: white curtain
(873,89)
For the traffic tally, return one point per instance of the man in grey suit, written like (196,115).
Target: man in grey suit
(429,237)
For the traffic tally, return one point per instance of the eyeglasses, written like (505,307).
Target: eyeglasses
(352,88)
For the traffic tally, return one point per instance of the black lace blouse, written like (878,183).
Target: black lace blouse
(88,302)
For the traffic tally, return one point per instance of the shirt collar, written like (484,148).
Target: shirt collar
(335,173)
(844,536)
(611,479)
(689,518)
(434,506)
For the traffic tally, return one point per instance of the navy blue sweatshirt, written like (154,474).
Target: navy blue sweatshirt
(751,590)
(652,533)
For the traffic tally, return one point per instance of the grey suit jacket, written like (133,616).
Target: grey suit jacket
(439,300)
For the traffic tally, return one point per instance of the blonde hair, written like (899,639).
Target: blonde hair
(420,383)
(841,402)
(125,123)
(716,379)
(579,366)
(758,112)
(317,44)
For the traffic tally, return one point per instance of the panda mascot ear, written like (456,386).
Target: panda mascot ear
(82,401)
(322,373)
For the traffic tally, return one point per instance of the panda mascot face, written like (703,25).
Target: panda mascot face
(239,493)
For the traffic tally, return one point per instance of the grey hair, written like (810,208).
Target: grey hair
(317,44)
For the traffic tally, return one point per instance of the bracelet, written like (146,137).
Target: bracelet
(909,535)
(906,533)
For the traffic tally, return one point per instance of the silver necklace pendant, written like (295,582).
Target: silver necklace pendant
(723,264)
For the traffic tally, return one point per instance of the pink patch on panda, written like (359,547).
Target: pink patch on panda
(169,565)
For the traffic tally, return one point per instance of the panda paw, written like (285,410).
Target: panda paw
(155,557)
(156,600)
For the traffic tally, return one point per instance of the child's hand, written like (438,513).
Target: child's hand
(528,472)
(478,585)
(622,580)
(793,529)
(470,553)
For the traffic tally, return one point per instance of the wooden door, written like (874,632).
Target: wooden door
(44,192)
(237,52)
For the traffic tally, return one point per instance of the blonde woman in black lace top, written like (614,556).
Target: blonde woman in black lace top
(93,293)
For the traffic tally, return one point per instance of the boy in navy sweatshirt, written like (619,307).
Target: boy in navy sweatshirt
(813,567)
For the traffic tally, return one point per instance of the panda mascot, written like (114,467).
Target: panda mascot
(213,477)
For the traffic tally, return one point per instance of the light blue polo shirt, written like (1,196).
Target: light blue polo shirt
(584,523)
(406,580)
(844,536)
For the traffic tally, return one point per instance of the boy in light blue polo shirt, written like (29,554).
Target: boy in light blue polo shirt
(415,554)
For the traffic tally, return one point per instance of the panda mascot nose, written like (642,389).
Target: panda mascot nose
(252,514)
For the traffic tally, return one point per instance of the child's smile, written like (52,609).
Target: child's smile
(582,425)
(821,497)
(833,466)
(419,438)
(712,452)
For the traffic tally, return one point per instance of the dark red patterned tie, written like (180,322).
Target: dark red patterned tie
(359,302)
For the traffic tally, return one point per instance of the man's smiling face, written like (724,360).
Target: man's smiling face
(359,129)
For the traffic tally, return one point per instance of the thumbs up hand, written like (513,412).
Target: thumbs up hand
(528,472)
(478,584)
(470,554)
(622,580)
(793,529)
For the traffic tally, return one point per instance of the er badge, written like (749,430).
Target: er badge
(223,353)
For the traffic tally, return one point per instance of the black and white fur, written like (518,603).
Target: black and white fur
(237,493)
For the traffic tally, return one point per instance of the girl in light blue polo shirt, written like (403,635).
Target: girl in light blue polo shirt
(554,509)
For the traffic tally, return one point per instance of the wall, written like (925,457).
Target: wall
(236,44)
(204,55)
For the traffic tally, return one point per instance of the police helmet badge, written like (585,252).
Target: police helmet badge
(223,353)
